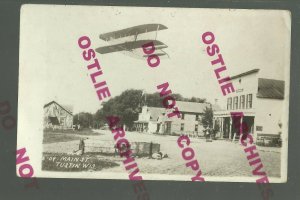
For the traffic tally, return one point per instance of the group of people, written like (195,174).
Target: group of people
(76,127)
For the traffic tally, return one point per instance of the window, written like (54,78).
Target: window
(182,116)
(242,102)
(259,128)
(235,103)
(196,127)
(182,127)
(229,103)
(197,117)
(249,101)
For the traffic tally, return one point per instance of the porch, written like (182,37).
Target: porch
(228,127)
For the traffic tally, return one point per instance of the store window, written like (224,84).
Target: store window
(235,103)
(249,101)
(229,103)
(242,102)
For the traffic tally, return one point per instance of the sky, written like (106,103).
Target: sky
(52,68)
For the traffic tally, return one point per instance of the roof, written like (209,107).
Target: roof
(66,108)
(216,107)
(132,31)
(244,73)
(183,106)
(191,107)
(155,112)
(270,88)
(141,121)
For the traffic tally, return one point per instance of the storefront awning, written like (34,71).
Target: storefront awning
(227,113)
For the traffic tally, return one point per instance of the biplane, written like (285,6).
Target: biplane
(130,40)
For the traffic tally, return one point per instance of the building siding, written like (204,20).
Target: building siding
(155,120)
(54,110)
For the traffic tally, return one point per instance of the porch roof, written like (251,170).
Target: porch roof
(141,121)
(227,113)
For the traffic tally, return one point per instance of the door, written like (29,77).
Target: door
(226,127)
(168,128)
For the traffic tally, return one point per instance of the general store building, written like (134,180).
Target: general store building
(261,101)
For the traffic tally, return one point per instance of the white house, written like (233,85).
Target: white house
(155,120)
(148,120)
(260,100)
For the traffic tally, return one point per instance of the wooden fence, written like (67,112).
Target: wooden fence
(108,147)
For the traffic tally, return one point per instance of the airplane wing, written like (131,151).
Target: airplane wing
(159,53)
(128,46)
(135,30)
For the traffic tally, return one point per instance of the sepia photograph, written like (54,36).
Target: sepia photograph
(183,94)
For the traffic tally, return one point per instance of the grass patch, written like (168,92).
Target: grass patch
(85,131)
(53,136)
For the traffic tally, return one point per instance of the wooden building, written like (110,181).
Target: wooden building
(57,116)
(155,120)
(262,102)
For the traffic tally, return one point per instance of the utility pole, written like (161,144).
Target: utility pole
(78,117)
(145,99)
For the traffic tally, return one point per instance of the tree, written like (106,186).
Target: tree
(98,119)
(207,119)
(129,103)
(84,119)
(197,100)
(152,100)
(126,106)
(207,122)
